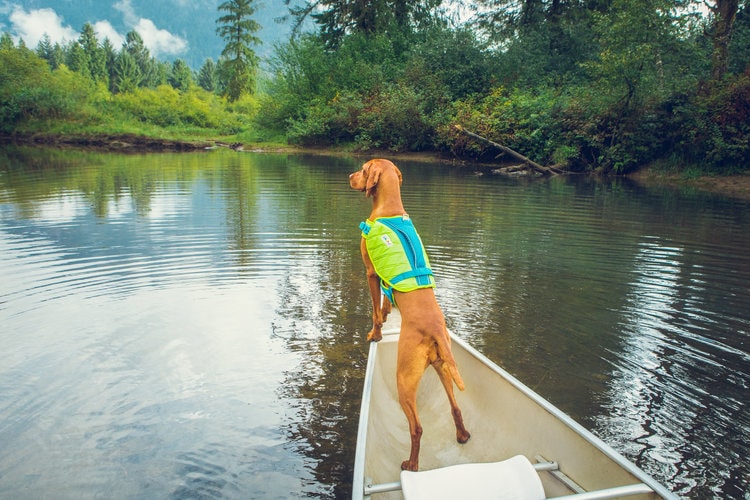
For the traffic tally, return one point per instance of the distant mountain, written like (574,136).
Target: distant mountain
(172,29)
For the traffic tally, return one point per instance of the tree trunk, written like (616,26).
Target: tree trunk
(725,12)
(534,166)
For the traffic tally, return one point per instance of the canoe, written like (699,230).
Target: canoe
(506,419)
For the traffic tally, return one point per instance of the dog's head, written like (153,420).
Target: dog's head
(366,179)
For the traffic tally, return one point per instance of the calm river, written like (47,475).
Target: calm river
(192,325)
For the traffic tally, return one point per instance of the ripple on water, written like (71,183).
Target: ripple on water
(199,331)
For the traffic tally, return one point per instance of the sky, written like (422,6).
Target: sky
(169,28)
(32,23)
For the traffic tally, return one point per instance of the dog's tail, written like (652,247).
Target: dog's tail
(449,363)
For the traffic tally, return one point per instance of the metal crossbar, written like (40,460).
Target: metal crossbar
(372,489)
(617,492)
(544,466)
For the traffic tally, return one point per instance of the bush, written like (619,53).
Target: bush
(395,119)
(30,91)
(355,95)
(712,129)
(525,122)
(158,106)
(168,107)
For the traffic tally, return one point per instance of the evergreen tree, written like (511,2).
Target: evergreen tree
(44,48)
(181,76)
(161,71)
(58,56)
(109,55)
(6,42)
(237,29)
(78,60)
(94,53)
(127,74)
(207,78)
(147,67)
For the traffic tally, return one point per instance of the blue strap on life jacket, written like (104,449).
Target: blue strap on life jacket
(407,233)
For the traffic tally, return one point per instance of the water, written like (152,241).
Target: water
(192,325)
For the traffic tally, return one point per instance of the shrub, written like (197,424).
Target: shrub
(168,107)
(712,129)
(29,90)
(525,122)
(396,119)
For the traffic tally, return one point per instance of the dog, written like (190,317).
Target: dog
(424,338)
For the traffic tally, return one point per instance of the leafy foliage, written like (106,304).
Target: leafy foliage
(372,92)
(30,90)
(593,86)
(713,129)
(338,19)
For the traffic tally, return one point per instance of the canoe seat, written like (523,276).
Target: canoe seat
(514,478)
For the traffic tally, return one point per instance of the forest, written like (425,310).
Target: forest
(584,85)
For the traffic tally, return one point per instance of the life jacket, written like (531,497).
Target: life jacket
(397,253)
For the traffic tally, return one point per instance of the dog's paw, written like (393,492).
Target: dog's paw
(407,465)
(375,335)
(462,437)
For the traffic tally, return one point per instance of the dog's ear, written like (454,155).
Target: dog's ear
(372,172)
(398,173)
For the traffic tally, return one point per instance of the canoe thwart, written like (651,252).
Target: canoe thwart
(511,478)
(542,466)
(373,489)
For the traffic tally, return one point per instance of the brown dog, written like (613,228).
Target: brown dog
(424,338)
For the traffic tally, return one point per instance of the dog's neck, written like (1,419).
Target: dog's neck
(386,200)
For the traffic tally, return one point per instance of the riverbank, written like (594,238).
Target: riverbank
(735,186)
(126,143)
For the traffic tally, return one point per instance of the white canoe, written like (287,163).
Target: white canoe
(505,418)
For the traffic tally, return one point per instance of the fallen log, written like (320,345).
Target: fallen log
(533,165)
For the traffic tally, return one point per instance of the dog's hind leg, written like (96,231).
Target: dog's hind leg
(462,435)
(415,432)
(407,382)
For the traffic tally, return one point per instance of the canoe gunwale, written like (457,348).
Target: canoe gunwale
(358,483)
(584,433)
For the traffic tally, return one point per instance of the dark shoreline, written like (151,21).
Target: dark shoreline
(734,186)
(125,143)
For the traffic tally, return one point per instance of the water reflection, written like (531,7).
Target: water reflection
(678,390)
(193,325)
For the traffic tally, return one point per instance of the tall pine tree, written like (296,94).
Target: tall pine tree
(237,29)
(97,63)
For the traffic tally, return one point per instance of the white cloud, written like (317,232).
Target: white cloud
(158,41)
(104,30)
(128,12)
(32,25)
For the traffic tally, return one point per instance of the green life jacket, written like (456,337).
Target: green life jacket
(398,255)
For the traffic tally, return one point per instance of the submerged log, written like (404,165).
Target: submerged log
(531,164)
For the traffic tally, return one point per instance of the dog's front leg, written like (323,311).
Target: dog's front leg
(373,281)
